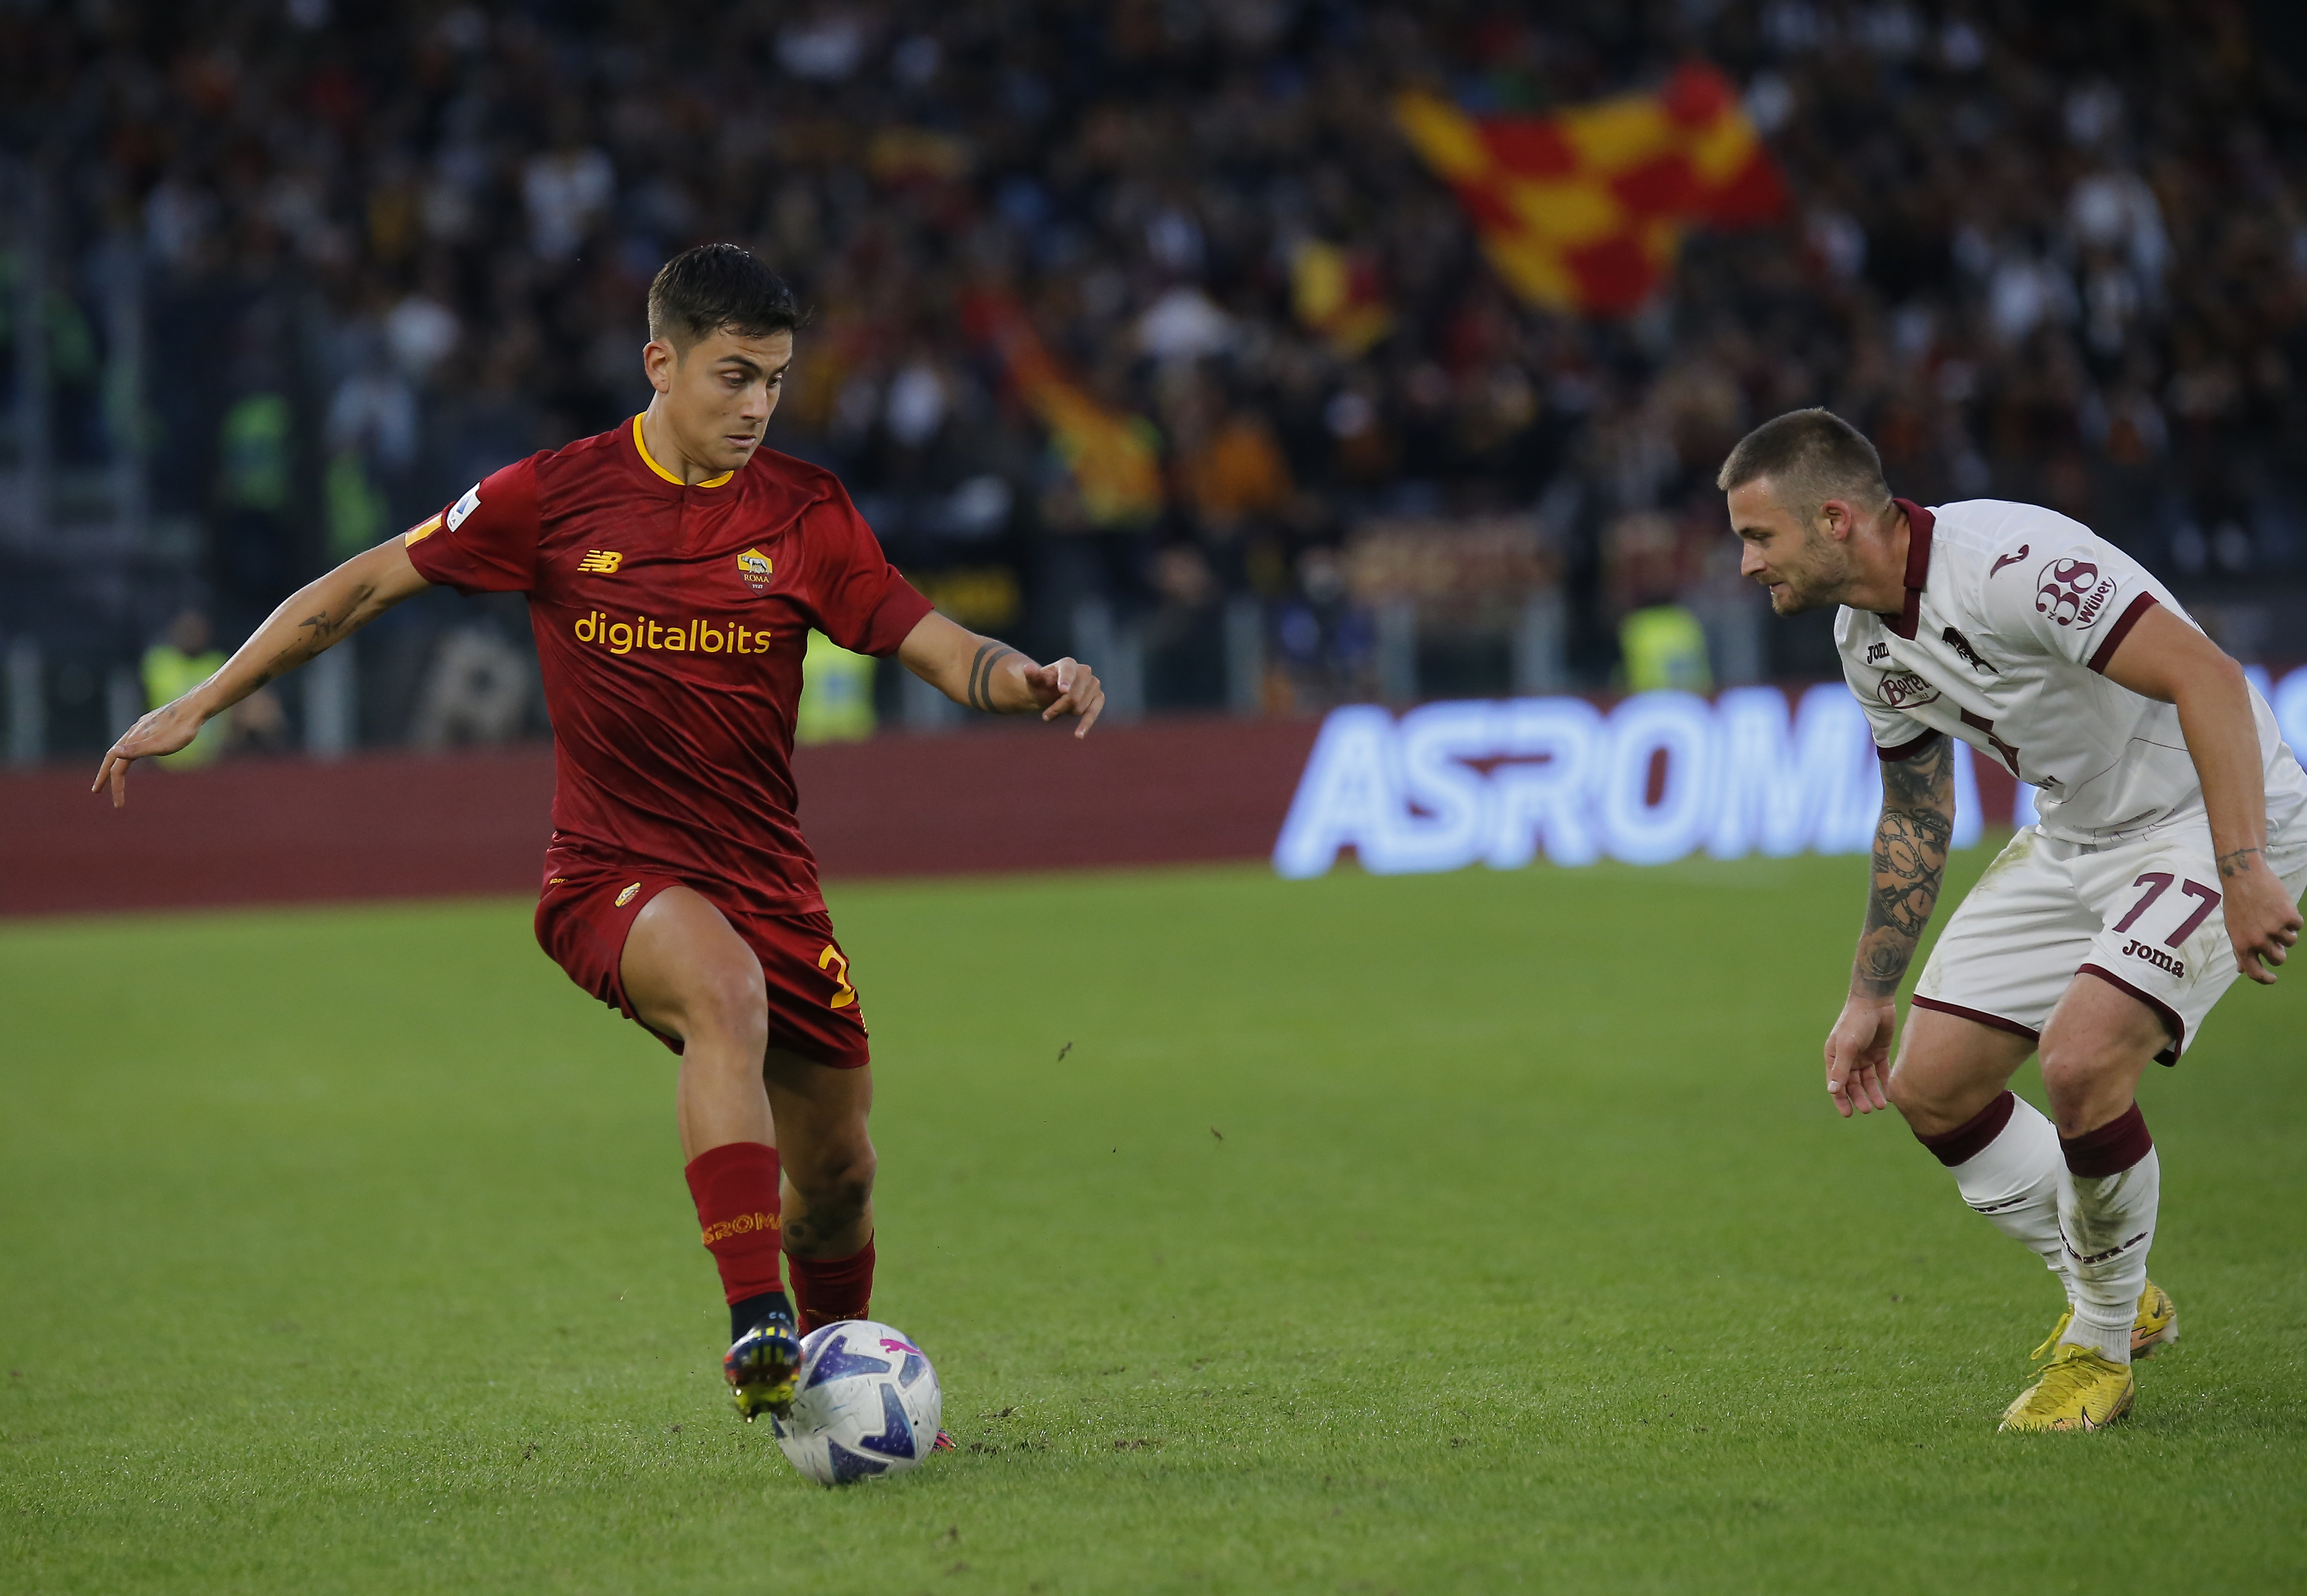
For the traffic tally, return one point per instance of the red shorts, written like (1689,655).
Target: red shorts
(586,911)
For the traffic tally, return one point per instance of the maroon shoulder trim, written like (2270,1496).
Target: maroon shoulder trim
(1919,525)
(2169,1015)
(1907,750)
(2131,616)
(1972,1138)
(1977,1017)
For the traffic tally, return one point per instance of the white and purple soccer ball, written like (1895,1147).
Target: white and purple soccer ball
(865,1402)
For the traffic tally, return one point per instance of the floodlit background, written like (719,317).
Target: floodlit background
(283,278)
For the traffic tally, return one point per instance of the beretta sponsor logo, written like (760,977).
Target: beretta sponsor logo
(2072,593)
(1902,689)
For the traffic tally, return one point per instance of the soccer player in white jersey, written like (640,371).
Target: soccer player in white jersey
(2171,852)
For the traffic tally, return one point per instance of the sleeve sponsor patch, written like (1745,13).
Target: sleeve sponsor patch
(463,507)
(2072,593)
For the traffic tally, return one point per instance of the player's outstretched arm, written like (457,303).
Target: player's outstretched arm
(314,618)
(2162,658)
(1910,853)
(986,673)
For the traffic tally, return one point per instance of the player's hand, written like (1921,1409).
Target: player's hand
(1067,687)
(164,731)
(1859,1054)
(2262,922)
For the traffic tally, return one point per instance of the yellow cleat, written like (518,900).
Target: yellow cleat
(2082,1389)
(2157,1323)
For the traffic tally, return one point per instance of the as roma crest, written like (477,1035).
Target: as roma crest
(754,567)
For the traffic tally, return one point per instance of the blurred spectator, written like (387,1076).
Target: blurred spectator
(1664,647)
(837,694)
(254,561)
(179,662)
(183,659)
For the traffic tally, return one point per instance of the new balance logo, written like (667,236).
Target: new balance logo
(2157,958)
(601,562)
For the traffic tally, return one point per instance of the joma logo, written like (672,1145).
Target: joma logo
(1876,653)
(2161,960)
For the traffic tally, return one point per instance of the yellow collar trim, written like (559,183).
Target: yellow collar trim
(649,460)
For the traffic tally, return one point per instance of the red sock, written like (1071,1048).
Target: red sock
(735,1185)
(827,1290)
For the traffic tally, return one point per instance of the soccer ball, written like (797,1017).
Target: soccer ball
(865,1402)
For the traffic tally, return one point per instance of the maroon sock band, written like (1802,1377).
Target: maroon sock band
(1971,1139)
(2111,1149)
(827,1290)
(735,1187)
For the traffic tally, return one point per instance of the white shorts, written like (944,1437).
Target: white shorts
(2143,914)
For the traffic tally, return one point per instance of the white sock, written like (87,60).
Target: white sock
(2108,1219)
(2014,1181)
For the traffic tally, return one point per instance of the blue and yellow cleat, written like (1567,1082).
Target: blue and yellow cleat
(761,1366)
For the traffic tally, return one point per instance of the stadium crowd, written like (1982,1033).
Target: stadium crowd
(2042,251)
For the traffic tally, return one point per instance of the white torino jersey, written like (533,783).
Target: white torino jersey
(2012,614)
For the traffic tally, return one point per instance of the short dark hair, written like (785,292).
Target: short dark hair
(1811,456)
(702,290)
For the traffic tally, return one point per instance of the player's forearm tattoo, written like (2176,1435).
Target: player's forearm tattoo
(2239,861)
(981,674)
(1910,851)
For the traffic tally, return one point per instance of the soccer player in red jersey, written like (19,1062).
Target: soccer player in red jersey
(673,569)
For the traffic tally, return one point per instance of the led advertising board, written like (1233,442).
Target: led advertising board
(1657,778)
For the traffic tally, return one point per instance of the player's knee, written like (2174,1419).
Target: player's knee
(730,1005)
(837,1184)
(1906,1095)
(1929,1103)
(2075,1075)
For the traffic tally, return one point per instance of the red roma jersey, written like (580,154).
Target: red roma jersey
(670,624)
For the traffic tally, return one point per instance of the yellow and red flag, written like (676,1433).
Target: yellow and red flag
(1583,210)
(1335,293)
(1114,457)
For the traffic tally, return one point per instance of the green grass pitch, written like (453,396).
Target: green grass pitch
(1475,1232)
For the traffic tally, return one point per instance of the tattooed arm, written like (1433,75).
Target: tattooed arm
(988,675)
(1910,851)
(312,620)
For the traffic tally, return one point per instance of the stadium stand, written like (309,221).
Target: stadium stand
(283,277)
